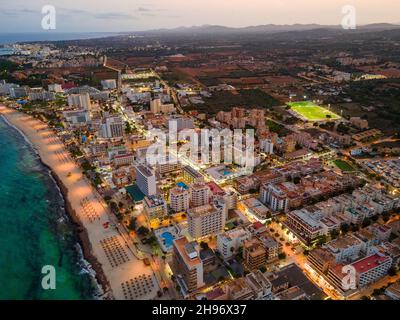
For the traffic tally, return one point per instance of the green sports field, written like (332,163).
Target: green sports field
(312,112)
(343,165)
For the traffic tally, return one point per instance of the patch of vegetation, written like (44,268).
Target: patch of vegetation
(226,100)
(277,128)
(343,165)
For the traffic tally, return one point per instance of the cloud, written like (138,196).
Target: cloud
(18,12)
(96,15)
(114,16)
(149,14)
(141,9)
(152,12)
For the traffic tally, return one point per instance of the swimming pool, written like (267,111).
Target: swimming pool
(225,172)
(168,237)
(135,192)
(182,185)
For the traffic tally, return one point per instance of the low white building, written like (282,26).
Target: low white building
(229,242)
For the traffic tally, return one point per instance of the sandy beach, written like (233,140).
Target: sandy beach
(121,274)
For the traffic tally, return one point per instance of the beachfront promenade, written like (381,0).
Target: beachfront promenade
(127,276)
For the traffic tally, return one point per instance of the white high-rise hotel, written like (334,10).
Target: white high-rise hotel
(113,127)
(274,198)
(146,180)
(206,220)
(81,101)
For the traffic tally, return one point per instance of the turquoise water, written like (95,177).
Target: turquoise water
(135,192)
(34,230)
(182,185)
(169,239)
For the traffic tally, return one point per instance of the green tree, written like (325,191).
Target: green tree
(282,256)
(296,180)
(344,228)
(143,231)
(392,271)
(366,222)
(132,224)
(334,234)
(114,206)
(204,245)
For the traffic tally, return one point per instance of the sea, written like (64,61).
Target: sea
(35,230)
(10,38)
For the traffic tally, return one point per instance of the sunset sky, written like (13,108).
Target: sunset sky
(132,15)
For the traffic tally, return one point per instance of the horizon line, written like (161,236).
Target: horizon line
(202,25)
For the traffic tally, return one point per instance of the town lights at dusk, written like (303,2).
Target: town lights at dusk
(200,158)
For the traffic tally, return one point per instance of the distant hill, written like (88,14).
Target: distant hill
(268,28)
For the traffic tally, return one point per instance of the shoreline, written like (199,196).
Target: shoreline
(79,228)
(103,241)
(83,236)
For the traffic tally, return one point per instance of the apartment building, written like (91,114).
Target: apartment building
(112,127)
(36,94)
(81,101)
(238,289)
(179,199)
(260,285)
(344,249)
(123,159)
(321,260)
(303,225)
(77,117)
(191,176)
(180,123)
(155,207)
(368,270)
(156,106)
(229,242)
(146,180)
(167,165)
(187,265)
(206,220)
(230,199)
(381,232)
(393,291)
(274,197)
(271,246)
(199,194)
(372,268)
(267,146)
(254,254)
